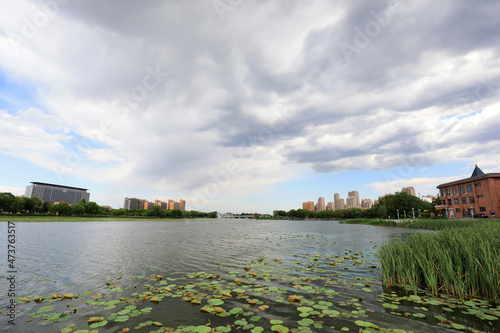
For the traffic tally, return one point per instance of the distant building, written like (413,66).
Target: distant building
(478,194)
(428,198)
(341,204)
(353,199)
(53,193)
(132,203)
(320,205)
(163,205)
(170,204)
(309,205)
(336,200)
(366,204)
(410,190)
(330,205)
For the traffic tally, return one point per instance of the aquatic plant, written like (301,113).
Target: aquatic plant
(463,261)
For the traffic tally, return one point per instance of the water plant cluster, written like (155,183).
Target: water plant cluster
(463,259)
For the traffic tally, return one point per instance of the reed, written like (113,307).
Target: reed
(463,261)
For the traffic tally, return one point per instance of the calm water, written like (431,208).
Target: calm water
(76,257)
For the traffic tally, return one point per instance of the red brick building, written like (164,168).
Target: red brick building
(478,194)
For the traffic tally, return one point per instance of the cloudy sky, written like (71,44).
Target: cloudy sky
(244,105)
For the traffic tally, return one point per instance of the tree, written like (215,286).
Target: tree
(6,201)
(64,208)
(78,209)
(91,208)
(176,213)
(279,213)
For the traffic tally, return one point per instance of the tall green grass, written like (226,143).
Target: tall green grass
(439,224)
(463,261)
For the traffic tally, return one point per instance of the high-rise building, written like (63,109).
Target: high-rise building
(410,190)
(132,203)
(366,204)
(330,206)
(163,205)
(342,204)
(309,205)
(321,204)
(171,204)
(182,204)
(53,193)
(354,202)
(336,200)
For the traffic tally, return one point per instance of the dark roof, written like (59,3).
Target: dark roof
(476,174)
(60,186)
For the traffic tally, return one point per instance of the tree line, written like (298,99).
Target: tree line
(387,207)
(24,205)
(9,204)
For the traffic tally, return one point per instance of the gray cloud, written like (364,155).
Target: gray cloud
(355,82)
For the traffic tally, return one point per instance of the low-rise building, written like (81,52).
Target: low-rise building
(478,194)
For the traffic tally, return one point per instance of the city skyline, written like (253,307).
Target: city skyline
(259,107)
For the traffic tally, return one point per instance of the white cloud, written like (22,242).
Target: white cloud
(162,101)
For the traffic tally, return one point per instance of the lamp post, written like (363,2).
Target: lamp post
(472,212)
(398,214)
(413,212)
(405,214)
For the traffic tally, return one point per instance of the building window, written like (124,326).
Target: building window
(479,196)
(456,201)
(457,210)
(478,184)
(464,200)
(455,192)
(449,202)
(482,209)
(471,199)
(448,192)
(469,188)
(462,189)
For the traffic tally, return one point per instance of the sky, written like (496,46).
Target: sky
(247,106)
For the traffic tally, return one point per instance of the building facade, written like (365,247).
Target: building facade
(478,194)
(309,205)
(366,204)
(330,205)
(410,190)
(352,199)
(320,205)
(132,203)
(54,193)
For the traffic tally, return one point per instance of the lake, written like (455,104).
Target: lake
(232,275)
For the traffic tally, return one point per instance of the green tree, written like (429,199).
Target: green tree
(91,208)
(78,209)
(176,213)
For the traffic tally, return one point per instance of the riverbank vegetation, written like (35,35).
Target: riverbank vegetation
(462,259)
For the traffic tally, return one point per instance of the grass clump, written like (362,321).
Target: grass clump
(439,224)
(380,222)
(463,261)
